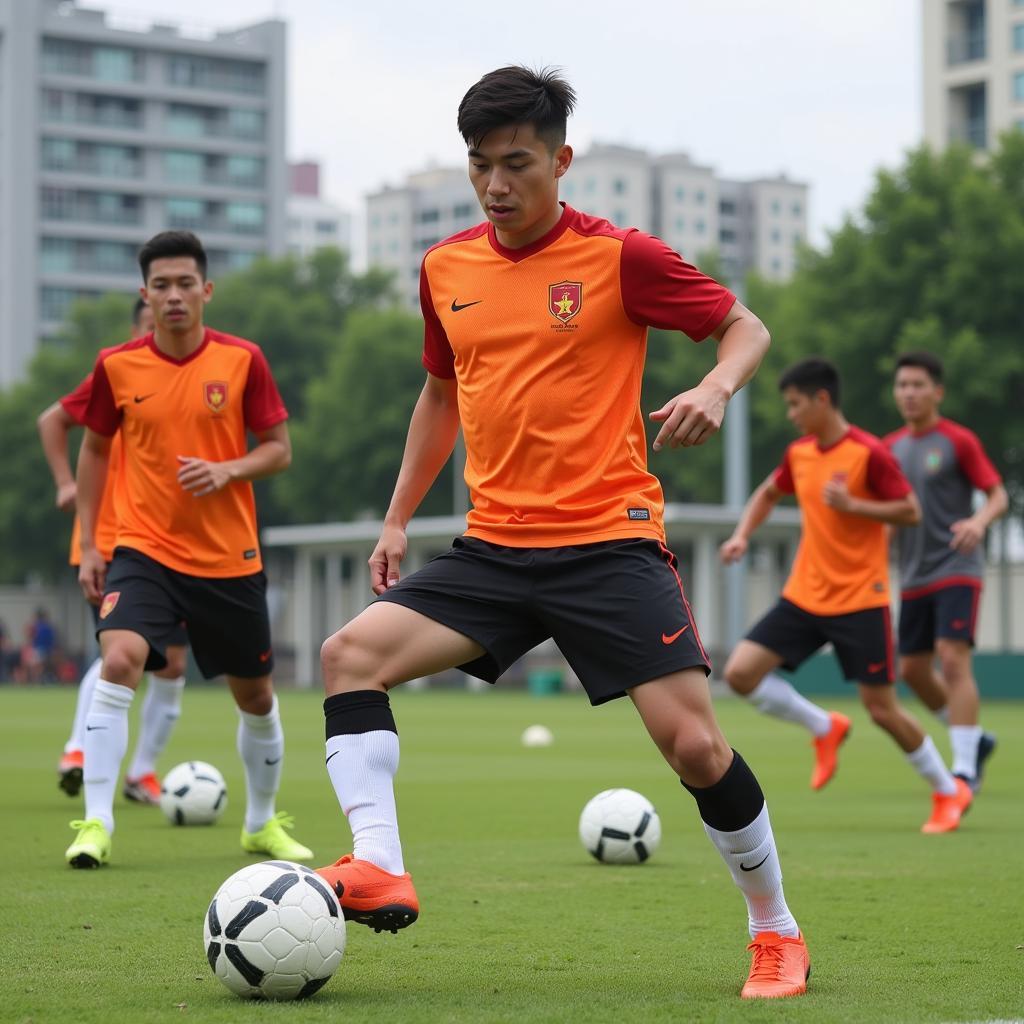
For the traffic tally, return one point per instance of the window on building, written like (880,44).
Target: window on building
(59,154)
(428,216)
(775,206)
(1018,37)
(776,235)
(620,217)
(216,73)
(619,186)
(726,235)
(113,161)
(245,170)
(245,218)
(245,124)
(699,226)
(797,238)
(55,303)
(66,57)
(58,203)
(113,257)
(680,193)
(56,255)
(461,211)
(326,227)
(797,209)
(186,121)
(1018,86)
(680,224)
(776,265)
(589,186)
(184,167)
(699,197)
(185,213)
(117,64)
(726,207)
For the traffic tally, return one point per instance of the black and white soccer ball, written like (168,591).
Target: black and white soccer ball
(274,931)
(620,826)
(193,793)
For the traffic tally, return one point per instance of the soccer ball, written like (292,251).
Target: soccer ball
(274,931)
(193,793)
(537,736)
(619,826)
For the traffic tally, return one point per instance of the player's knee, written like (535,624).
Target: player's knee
(175,663)
(739,677)
(343,656)
(883,713)
(123,665)
(697,752)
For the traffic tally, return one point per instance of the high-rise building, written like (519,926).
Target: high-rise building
(753,225)
(973,64)
(112,130)
(313,222)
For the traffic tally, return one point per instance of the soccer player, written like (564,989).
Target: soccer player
(183,399)
(535,333)
(942,558)
(848,487)
(162,706)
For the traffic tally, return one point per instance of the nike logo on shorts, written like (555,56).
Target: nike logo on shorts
(667,639)
(876,666)
(959,624)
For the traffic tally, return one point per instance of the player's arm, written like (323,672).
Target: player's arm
(969,533)
(272,454)
(433,429)
(54,425)
(92,478)
(695,415)
(905,511)
(759,506)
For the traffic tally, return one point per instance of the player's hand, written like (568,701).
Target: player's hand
(967,535)
(387,557)
(733,550)
(837,495)
(200,477)
(692,417)
(66,495)
(92,575)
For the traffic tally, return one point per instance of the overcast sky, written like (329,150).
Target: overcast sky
(826,92)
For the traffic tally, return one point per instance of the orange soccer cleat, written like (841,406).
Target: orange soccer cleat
(372,896)
(826,750)
(780,967)
(948,810)
(143,790)
(69,772)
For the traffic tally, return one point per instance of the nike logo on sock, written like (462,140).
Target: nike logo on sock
(335,754)
(267,760)
(743,867)
(93,728)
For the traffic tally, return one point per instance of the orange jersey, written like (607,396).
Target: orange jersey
(842,564)
(201,406)
(74,405)
(547,344)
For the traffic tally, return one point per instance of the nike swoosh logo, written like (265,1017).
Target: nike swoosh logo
(266,657)
(666,639)
(267,760)
(876,666)
(959,624)
(456,306)
(335,754)
(142,398)
(93,728)
(743,867)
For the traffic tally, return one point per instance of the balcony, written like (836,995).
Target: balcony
(965,47)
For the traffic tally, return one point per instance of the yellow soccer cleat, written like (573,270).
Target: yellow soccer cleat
(91,847)
(274,841)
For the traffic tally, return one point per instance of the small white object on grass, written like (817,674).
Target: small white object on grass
(538,736)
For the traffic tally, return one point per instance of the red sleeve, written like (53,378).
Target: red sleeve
(783,476)
(438,357)
(659,289)
(102,414)
(973,459)
(76,402)
(885,477)
(262,404)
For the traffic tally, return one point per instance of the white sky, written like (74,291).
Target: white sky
(826,91)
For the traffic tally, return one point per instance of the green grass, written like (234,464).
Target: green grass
(518,924)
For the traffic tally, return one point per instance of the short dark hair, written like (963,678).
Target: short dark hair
(927,361)
(516,95)
(140,305)
(812,375)
(172,243)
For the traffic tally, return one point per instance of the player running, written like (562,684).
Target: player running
(535,335)
(848,487)
(162,705)
(942,558)
(183,399)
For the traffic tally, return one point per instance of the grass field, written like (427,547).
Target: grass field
(518,923)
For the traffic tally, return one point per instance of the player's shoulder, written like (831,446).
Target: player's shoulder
(806,443)
(894,436)
(232,341)
(460,237)
(587,225)
(858,435)
(956,432)
(112,352)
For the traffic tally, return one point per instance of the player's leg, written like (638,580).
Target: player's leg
(917,653)
(787,635)
(158,716)
(69,768)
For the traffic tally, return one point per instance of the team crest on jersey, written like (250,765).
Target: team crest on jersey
(933,460)
(565,300)
(216,394)
(109,603)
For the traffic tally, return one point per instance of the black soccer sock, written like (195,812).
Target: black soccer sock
(358,711)
(733,802)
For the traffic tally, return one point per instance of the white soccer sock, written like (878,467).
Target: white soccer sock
(775,696)
(964,740)
(927,762)
(261,746)
(106,740)
(160,711)
(942,714)
(362,768)
(753,861)
(76,741)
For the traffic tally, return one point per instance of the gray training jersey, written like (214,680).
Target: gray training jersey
(944,465)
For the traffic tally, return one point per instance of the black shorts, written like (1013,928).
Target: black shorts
(226,620)
(616,609)
(862,640)
(178,638)
(949,613)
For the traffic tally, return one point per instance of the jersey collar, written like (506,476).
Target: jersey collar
(517,255)
(150,341)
